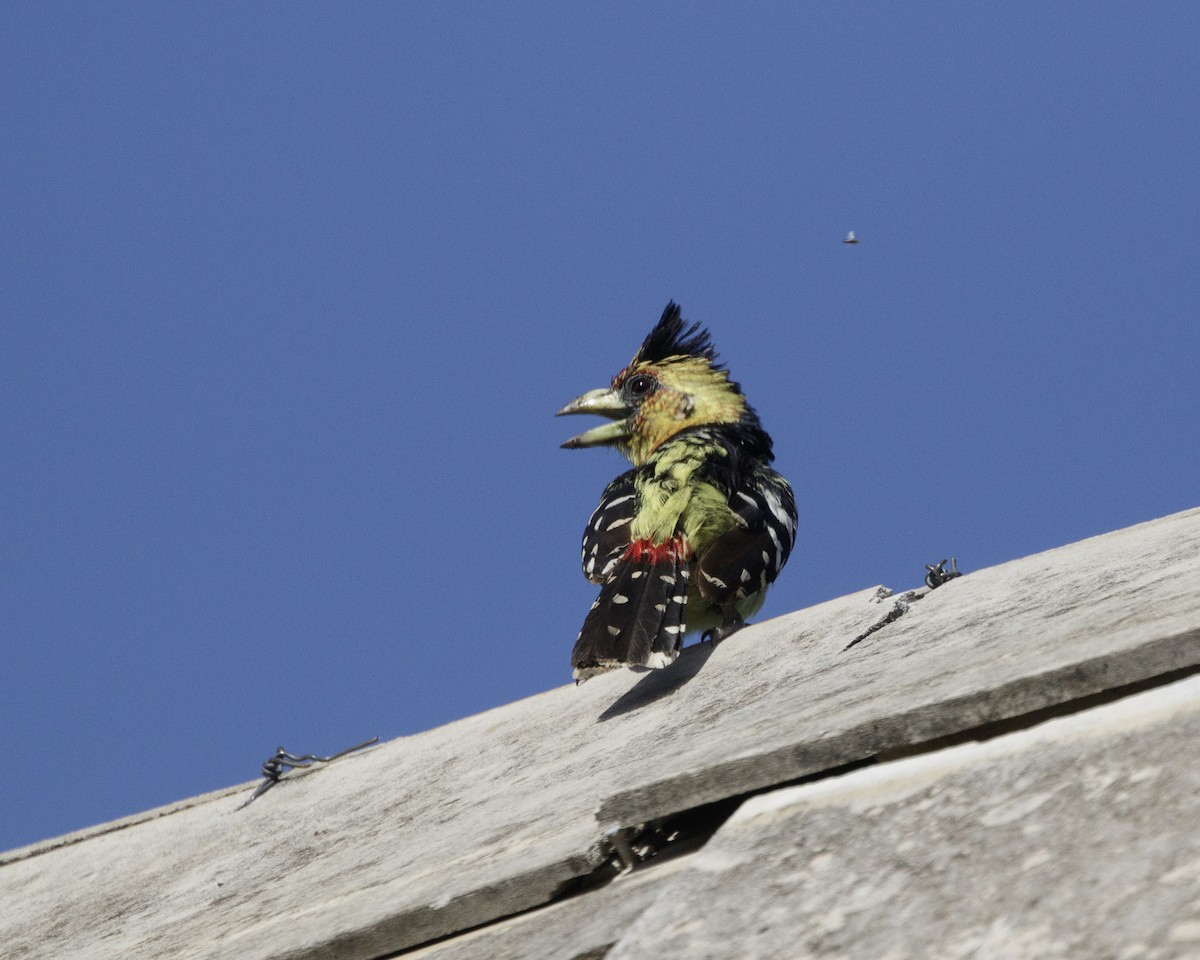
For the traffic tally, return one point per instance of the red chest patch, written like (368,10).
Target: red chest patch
(647,551)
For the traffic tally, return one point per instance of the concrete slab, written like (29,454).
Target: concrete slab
(1077,838)
(382,850)
(994,644)
(579,928)
(491,815)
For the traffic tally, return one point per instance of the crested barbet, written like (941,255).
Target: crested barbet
(693,535)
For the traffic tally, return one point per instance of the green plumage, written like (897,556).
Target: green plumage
(693,535)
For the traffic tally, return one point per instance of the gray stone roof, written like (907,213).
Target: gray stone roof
(1009,767)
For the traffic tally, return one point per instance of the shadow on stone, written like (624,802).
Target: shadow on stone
(657,684)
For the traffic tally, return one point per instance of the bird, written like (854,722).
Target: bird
(850,238)
(692,536)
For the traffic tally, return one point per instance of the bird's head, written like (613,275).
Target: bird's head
(672,383)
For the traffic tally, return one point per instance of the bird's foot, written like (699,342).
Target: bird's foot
(723,632)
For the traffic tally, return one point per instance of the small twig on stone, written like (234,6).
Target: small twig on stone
(282,761)
(899,609)
(937,575)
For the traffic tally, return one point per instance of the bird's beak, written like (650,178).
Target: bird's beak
(606,403)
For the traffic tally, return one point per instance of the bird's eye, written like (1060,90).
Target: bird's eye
(640,385)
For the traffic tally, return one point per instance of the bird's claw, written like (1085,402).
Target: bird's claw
(716,634)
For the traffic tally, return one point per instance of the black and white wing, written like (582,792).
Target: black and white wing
(607,532)
(638,619)
(746,559)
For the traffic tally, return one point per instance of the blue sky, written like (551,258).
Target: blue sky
(291,292)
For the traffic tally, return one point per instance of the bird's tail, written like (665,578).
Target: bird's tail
(640,615)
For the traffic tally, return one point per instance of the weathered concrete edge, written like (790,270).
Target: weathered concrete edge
(583,926)
(865,793)
(142,816)
(922,724)
(422,925)
(111,826)
(861,789)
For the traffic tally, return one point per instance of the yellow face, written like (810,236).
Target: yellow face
(672,383)
(672,395)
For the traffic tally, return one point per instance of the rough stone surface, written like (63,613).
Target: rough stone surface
(994,644)
(491,815)
(1076,838)
(393,847)
(578,928)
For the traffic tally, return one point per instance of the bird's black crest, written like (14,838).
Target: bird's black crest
(673,337)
